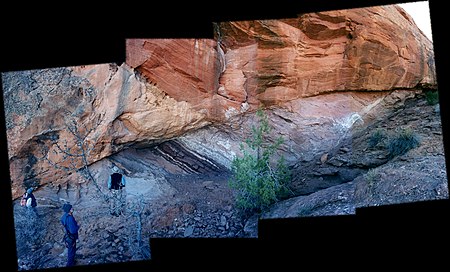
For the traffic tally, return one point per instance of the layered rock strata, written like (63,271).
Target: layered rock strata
(320,75)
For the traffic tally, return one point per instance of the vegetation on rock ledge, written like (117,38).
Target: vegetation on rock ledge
(259,184)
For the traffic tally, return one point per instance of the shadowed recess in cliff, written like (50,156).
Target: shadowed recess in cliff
(187,160)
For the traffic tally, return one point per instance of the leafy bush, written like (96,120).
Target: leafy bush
(402,142)
(377,137)
(259,184)
(432,97)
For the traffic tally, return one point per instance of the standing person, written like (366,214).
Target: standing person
(28,199)
(31,203)
(71,233)
(116,182)
(30,232)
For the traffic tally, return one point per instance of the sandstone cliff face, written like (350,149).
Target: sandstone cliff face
(185,69)
(370,49)
(118,109)
(320,74)
(276,61)
(173,116)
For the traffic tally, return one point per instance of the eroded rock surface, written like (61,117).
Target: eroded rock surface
(173,117)
(320,74)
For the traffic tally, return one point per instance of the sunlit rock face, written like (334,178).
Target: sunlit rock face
(108,105)
(275,61)
(371,49)
(185,69)
(320,75)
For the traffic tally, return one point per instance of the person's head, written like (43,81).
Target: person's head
(30,190)
(115,169)
(67,208)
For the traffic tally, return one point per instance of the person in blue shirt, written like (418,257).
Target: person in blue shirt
(116,182)
(71,233)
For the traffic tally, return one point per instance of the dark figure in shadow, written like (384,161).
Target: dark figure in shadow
(116,182)
(71,233)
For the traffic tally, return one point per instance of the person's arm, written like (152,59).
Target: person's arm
(63,220)
(72,225)
(23,201)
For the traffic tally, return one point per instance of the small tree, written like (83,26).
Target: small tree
(138,247)
(259,184)
(74,158)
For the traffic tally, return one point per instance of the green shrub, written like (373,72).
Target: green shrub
(258,183)
(371,177)
(377,137)
(402,142)
(432,97)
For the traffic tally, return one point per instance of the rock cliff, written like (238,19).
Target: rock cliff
(173,117)
(320,74)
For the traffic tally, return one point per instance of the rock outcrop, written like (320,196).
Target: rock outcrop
(173,117)
(110,106)
(418,175)
(276,61)
(320,75)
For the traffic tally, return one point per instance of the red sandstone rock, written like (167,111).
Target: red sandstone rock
(190,83)
(275,61)
(376,48)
